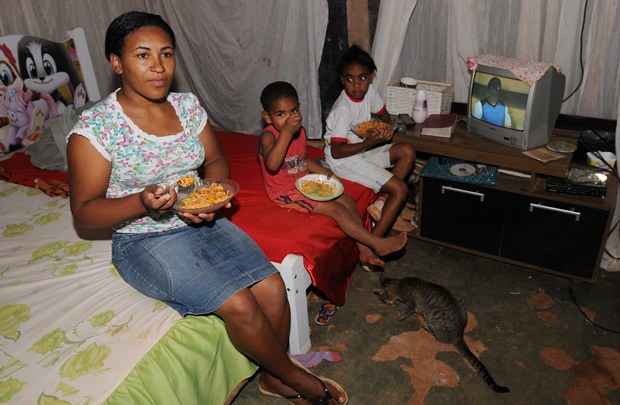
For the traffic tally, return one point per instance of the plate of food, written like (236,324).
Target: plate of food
(366,128)
(319,187)
(206,196)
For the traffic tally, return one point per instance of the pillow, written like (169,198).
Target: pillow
(44,153)
(50,151)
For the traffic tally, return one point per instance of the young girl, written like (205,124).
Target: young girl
(143,135)
(365,161)
(283,160)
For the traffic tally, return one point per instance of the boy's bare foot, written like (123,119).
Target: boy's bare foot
(391,244)
(368,257)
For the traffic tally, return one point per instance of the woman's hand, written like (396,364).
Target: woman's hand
(199,218)
(158,198)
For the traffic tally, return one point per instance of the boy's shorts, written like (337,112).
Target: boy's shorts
(368,169)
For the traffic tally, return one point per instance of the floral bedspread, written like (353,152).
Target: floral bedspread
(70,328)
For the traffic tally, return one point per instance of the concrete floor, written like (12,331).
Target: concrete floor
(523,325)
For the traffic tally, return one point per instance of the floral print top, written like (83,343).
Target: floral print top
(140,159)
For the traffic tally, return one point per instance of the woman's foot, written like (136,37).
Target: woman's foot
(391,244)
(271,386)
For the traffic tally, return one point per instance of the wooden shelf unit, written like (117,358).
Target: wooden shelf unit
(524,232)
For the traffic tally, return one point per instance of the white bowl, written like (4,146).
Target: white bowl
(408,81)
(320,178)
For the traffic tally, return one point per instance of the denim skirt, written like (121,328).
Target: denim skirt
(194,269)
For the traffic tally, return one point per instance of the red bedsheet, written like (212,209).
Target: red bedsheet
(329,256)
(18,169)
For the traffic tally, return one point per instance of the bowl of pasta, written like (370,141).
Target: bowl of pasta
(319,187)
(367,128)
(208,195)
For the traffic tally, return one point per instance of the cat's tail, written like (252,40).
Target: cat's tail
(480,368)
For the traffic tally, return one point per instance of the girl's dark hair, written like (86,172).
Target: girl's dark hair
(275,91)
(127,23)
(356,56)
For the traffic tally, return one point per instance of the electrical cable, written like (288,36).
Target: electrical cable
(583,24)
(587,318)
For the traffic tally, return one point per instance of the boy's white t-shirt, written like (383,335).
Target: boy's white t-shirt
(347,113)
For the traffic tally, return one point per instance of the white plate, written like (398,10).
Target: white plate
(320,178)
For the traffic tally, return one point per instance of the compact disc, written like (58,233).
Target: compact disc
(462,169)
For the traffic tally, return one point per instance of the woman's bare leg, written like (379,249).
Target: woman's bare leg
(251,332)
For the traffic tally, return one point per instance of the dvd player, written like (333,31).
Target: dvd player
(565,186)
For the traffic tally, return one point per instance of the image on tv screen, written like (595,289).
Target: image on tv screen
(499,100)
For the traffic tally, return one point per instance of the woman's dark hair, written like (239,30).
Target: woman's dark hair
(356,56)
(127,23)
(275,91)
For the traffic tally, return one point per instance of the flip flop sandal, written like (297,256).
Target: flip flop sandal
(323,400)
(325,314)
(327,396)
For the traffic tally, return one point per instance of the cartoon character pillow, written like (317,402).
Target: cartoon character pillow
(40,79)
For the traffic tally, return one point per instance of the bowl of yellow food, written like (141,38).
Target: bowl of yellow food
(319,187)
(368,128)
(187,183)
(207,196)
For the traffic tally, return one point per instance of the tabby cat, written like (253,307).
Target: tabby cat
(443,316)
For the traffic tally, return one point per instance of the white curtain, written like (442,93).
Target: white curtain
(228,49)
(389,36)
(434,42)
(611,254)
(442,33)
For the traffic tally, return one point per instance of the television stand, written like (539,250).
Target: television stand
(515,220)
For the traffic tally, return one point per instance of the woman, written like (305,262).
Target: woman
(122,152)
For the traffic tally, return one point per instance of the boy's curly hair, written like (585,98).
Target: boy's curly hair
(356,56)
(275,91)
(127,23)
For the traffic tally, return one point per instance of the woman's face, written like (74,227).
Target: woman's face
(146,64)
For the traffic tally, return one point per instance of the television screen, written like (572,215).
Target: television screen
(499,100)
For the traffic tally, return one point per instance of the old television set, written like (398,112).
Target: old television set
(511,111)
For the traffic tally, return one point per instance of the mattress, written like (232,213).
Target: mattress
(329,256)
(73,332)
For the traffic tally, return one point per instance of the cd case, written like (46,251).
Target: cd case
(461,171)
